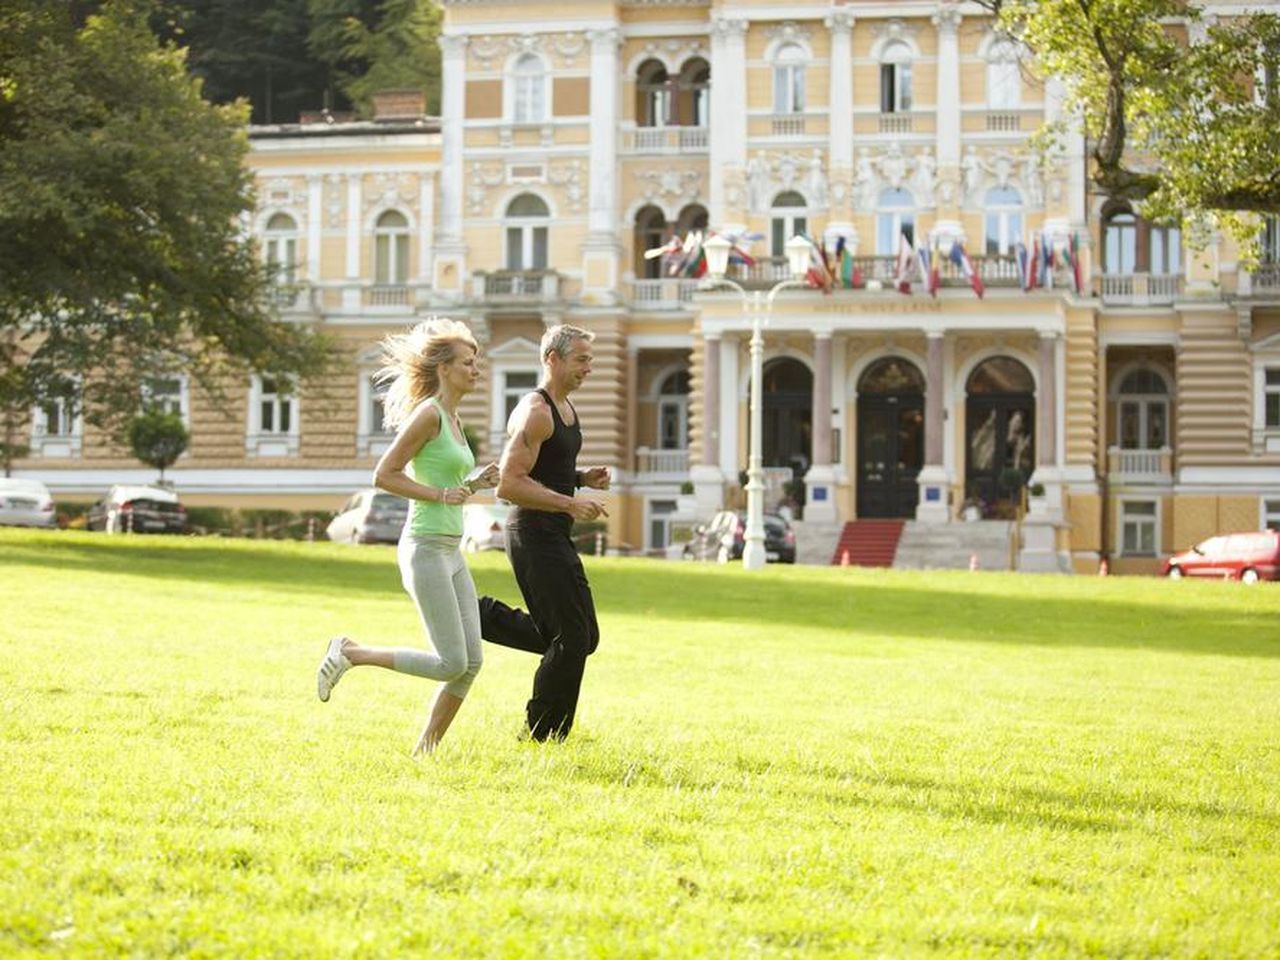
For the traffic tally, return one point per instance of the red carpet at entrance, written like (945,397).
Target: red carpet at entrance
(868,543)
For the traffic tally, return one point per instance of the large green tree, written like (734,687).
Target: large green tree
(123,201)
(1180,119)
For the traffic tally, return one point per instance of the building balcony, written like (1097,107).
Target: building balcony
(787,124)
(516,286)
(996,270)
(1140,466)
(1139,289)
(1263,281)
(1003,121)
(658,466)
(895,123)
(666,140)
(664,293)
(348,296)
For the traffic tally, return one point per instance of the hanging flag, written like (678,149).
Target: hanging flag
(1033,266)
(924,259)
(1046,261)
(961,260)
(1024,265)
(935,269)
(906,264)
(818,275)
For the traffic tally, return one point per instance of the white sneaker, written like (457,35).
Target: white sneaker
(332,667)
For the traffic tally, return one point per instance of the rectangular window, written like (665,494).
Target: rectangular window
(660,512)
(275,407)
(895,87)
(1271,394)
(1271,514)
(1138,536)
(516,385)
(1166,251)
(164,394)
(59,420)
(377,414)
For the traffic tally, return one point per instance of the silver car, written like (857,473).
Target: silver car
(25,503)
(484,526)
(371,516)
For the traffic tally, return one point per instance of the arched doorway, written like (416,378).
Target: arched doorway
(890,438)
(1000,418)
(788,415)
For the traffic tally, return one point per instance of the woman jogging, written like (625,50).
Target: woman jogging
(429,370)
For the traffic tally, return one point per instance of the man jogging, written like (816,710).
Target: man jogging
(539,475)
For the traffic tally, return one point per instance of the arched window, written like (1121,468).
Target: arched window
(1004,219)
(391,248)
(692,217)
(1165,250)
(788,79)
(895,78)
(788,218)
(694,95)
(892,375)
(1000,375)
(282,249)
(1142,411)
(651,232)
(1004,82)
(653,95)
(1120,243)
(526,227)
(529,97)
(895,218)
(673,411)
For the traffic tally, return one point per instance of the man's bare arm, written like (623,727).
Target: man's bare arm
(531,426)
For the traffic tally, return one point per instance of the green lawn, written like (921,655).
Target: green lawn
(800,762)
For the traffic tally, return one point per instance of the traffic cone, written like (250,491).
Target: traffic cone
(844,558)
(973,561)
(1104,568)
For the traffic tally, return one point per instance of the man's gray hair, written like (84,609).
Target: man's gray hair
(559,339)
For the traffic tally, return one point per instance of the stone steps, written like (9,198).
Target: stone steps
(950,546)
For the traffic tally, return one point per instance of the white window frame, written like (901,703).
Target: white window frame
(794,220)
(280,250)
(1266,439)
(680,401)
(370,442)
(789,79)
(272,443)
(528,93)
(1114,251)
(1004,77)
(657,99)
(1269,512)
(183,401)
(1155,523)
(893,219)
(65,444)
(1144,401)
(1160,234)
(1008,223)
(528,228)
(514,356)
(391,250)
(897,56)
(651,517)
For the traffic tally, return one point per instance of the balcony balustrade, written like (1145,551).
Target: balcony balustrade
(675,139)
(895,123)
(787,124)
(664,293)
(1140,466)
(516,286)
(652,464)
(996,270)
(1140,289)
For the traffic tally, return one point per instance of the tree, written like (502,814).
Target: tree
(1180,128)
(158,438)
(400,50)
(123,198)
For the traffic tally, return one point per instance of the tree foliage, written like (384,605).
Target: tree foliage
(158,438)
(123,198)
(1179,125)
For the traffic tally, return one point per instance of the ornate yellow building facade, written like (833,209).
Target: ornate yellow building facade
(1141,402)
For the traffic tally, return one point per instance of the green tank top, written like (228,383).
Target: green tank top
(442,462)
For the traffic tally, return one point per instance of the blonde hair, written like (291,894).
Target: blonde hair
(559,339)
(411,362)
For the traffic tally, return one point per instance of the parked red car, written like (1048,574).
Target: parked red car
(1248,557)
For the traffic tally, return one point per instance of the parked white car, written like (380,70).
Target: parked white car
(25,503)
(484,526)
(370,516)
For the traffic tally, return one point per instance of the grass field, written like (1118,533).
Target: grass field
(800,762)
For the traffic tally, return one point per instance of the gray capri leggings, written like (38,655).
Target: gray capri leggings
(436,576)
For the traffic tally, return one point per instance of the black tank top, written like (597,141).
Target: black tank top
(557,464)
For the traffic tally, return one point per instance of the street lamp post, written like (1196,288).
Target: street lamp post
(717,252)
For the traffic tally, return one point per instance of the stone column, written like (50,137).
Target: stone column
(728,135)
(601,251)
(1047,403)
(355,230)
(451,251)
(934,479)
(315,197)
(947,21)
(633,391)
(426,234)
(820,481)
(1039,530)
(708,483)
(840,139)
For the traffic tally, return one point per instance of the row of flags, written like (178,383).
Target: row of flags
(836,268)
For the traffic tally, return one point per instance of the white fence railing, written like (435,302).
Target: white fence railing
(665,293)
(788,124)
(665,140)
(1139,465)
(662,462)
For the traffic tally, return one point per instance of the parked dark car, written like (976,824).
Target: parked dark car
(129,508)
(724,537)
(1248,557)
